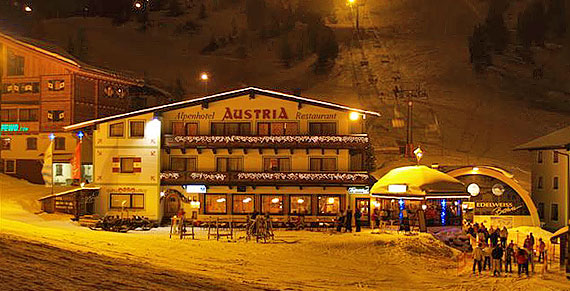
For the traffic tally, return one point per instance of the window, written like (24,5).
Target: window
(243,204)
(59,143)
(276,164)
(300,204)
(357,162)
(554,212)
(10,166)
(555,157)
(555,183)
(231,128)
(229,164)
(322,164)
(9,115)
(127,200)
(539,158)
(216,204)
(117,129)
(181,128)
(5,143)
(277,128)
(322,128)
(540,210)
(31,143)
(183,164)
(58,169)
(28,115)
(137,128)
(127,165)
(539,183)
(15,64)
(272,204)
(329,205)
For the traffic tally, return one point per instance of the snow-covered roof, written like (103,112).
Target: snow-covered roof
(559,139)
(252,91)
(418,182)
(68,192)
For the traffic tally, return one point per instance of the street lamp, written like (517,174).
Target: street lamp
(27,8)
(204,78)
(351,3)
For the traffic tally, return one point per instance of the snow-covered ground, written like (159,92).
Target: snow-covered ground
(53,248)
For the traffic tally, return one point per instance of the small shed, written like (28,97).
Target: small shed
(78,201)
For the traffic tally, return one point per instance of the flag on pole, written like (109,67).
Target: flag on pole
(47,168)
(76,162)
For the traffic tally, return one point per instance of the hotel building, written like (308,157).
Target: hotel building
(550,169)
(233,154)
(43,89)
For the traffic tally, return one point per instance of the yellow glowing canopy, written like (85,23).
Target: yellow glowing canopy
(418,182)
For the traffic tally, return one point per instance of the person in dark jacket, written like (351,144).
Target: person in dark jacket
(357,216)
(348,220)
(494,236)
(339,221)
(522,261)
(497,255)
(510,253)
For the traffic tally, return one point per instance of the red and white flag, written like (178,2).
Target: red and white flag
(76,163)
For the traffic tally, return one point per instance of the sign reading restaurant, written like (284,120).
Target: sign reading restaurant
(231,114)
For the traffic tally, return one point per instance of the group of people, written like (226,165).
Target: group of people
(344,220)
(491,251)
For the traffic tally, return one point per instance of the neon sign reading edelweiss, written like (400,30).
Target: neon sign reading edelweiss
(255,113)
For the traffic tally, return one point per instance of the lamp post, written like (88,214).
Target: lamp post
(204,78)
(352,3)
(567,209)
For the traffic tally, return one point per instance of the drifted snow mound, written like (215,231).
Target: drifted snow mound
(423,245)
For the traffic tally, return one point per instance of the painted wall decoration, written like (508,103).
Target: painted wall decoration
(56,85)
(56,115)
(21,88)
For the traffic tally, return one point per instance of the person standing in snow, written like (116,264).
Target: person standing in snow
(522,261)
(530,251)
(494,236)
(339,221)
(487,259)
(497,255)
(541,247)
(348,220)
(509,254)
(477,257)
(357,216)
(504,234)
(375,220)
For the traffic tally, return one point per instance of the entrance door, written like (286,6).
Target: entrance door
(171,205)
(363,204)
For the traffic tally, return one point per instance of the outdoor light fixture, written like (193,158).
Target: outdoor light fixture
(473,189)
(475,169)
(27,8)
(300,201)
(161,194)
(204,77)
(80,134)
(354,116)
(51,136)
(397,188)
(498,189)
(331,200)
(152,128)
(275,200)
(419,154)
(82,184)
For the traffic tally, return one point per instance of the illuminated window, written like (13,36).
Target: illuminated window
(228,164)
(322,128)
(300,204)
(59,170)
(59,143)
(127,200)
(9,115)
(127,165)
(231,128)
(554,212)
(216,204)
(183,164)
(276,164)
(243,204)
(329,205)
(323,164)
(15,64)
(28,115)
(5,143)
(136,128)
(277,128)
(357,161)
(31,143)
(272,204)
(117,129)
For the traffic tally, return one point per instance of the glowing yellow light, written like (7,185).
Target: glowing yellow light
(27,8)
(204,77)
(300,201)
(351,1)
(397,188)
(424,207)
(275,200)
(138,5)
(220,200)
(331,200)
(152,128)
(246,200)
(354,116)
(475,169)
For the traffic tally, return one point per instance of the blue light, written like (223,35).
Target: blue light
(80,134)
(401,202)
(443,202)
(51,136)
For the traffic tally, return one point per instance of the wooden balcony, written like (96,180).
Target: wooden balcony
(266,178)
(281,141)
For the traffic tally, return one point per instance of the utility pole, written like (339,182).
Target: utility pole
(410,96)
(567,209)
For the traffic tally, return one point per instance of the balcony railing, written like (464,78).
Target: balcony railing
(280,141)
(265,178)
